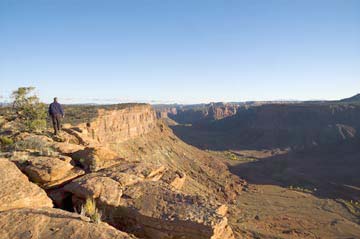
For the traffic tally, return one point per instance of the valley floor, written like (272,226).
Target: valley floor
(269,210)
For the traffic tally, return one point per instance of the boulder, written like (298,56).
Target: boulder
(97,187)
(16,191)
(53,223)
(34,137)
(48,171)
(67,148)
(94,158)
(175,179)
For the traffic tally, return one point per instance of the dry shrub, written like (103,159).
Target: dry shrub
(90,210)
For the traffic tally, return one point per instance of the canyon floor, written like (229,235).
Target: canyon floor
(273,210)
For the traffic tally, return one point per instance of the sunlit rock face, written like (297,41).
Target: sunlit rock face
(121,125)
(17,191)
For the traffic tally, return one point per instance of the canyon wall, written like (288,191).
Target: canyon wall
(194,114)
(120,125)
(277,126)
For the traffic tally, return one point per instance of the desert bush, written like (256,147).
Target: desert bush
(231,155)
(35,144)
(89,209)
(302,189)
(6,140)
(29,110)
(351,205)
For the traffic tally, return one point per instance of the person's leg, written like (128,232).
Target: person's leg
(58,119)
(54,121)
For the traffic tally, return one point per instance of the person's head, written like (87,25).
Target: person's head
(55,99)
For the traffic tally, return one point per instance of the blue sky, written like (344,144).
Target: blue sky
(184,51)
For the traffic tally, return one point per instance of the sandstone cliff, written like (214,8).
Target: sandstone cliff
(117,126)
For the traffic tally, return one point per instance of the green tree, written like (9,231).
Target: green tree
(29,110)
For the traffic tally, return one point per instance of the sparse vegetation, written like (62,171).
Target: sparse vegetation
(35,144)
(29,110)
(6,141)
(352,205)
(302,189)
(233,156)
(89,209)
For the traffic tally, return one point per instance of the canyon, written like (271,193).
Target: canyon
(150,179)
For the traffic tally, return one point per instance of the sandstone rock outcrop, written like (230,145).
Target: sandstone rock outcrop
(67,148)
(45,223)
(219,111)
(116,126)
(48,171)
(16,191)
(95,158)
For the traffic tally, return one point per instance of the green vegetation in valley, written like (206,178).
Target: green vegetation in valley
(302,189)
(352,206)
(232,156)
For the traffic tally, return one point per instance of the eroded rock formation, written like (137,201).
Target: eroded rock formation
(195,114)
(47,171)
(146,200)
(116,126)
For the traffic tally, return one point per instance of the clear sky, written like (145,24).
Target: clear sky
(183,51)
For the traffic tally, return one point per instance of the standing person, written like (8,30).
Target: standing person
(56,112)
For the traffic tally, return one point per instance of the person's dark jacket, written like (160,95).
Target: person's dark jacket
(55,109)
